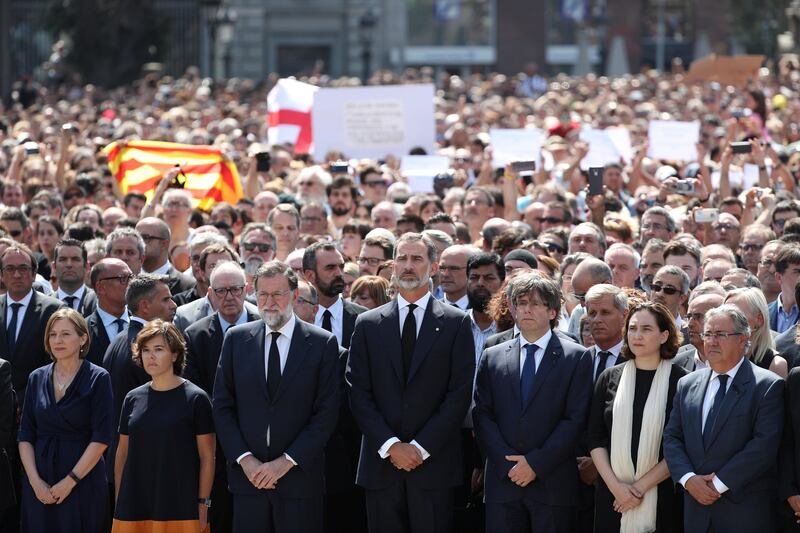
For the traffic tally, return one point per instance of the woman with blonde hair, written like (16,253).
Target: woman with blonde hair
(630,408)
(370,291)
(753,305)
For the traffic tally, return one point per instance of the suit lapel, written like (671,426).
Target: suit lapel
(512,369)
(298,349)
(694,416)
(259,348)
(735,391)
(348,324)
(552,354)
(3,335)
(389,326)
(432,324)
(27,320)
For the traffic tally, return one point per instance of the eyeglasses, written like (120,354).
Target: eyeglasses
(767,263)
(310,219)
(665,289)
(752,247)
(177,205)
(371,261)
(274,295)
(22,269)
(123,279)
(377,183)
(260,246)
(148,238)
(720,335)
(303,300)
(696,316)
(654,227)
(221,292)
(550,220)
(553,247)
(581,297)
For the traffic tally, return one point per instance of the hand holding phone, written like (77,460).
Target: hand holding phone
(706,216)
(595,181)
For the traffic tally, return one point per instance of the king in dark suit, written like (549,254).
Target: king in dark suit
(531,402)
(23,315)
(410,380)
(276,397)
(723,435)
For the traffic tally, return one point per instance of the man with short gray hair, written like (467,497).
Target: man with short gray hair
(705,297)
(670,287)
(715,445)
(199,243)
(589,272)
(623,260)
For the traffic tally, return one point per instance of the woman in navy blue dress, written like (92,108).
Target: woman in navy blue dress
(66,426)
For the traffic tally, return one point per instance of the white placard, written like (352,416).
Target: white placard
(420,170)
(673,140)
(602,149)
(621,138)
(373,122)
(749,176)
(515,145)
(735,177)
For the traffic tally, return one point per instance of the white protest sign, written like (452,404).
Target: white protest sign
(735,177)
(602,149)
(420,170)
(749,176)
(621,138)
(515,145)
(674,140)
(373,122)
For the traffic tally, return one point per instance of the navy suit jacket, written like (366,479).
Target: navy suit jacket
(300,418)
(741,451)
(773,314)
(428,407)
(787,347)
(29,353)
(350,312)
(99,339)
(546,430)
(203,347)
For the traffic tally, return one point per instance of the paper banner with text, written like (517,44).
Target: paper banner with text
(373,122)
(140,165)
(515,145)
(673,140)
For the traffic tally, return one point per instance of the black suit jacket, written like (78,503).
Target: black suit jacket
(99,338)
(429,407)
(29,353)
(8,417)
(185,297)
(350,312)
(789,471)
(88,303)
(203,346)
(125,374)
(546,429)
(341,452)
(685,358)
(177,281)
(507,335)
(300,418)
(787,347)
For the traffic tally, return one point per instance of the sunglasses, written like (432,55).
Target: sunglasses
(550,220)
(666,290)
(261,246)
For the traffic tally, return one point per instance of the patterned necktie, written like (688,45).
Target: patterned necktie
(528,373)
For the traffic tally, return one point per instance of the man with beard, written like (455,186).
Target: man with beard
(410,377)
(766,270)
(323,268)
(273,425)
(256,247)
(342,193)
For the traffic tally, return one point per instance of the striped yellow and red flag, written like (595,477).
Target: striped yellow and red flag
(139,165)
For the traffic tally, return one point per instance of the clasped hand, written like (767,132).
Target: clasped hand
(521,473)
(626,497)
(265,475)
(405,456)
(56,494)
(702,489)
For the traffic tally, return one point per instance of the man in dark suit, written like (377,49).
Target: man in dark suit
(531,401)
(24,314)
(273,424)
(410,377)
(148,298)
(724,431)
(323,267)
(203,347)
(9,522)
(110,278)
(199,243)
(156,235)
(69,258)
(707,296)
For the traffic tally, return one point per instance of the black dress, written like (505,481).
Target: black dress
(766,361)
(669,514)
(162,471)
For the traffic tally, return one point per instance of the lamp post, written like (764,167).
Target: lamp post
(367,24)
(221,24)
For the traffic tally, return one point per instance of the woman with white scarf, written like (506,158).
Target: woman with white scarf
(631,405)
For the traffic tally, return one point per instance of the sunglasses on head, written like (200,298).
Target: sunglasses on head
(666,290)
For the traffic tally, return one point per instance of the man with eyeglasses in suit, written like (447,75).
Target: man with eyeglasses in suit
(257,246)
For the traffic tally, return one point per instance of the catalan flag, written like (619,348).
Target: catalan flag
(139,165)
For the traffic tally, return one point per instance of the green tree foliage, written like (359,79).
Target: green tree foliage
(109,40)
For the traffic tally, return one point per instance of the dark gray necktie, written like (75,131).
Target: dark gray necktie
(12,327)
(601,364)
(326,321)
(70,301)
(408,339)
(274,366)
(120,325)
(711,419)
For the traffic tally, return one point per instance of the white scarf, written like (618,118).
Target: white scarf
(641,519)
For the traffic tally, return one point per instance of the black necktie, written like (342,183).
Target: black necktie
(120,325)
(274,366)
(70,301)
(528,373)
(12,327)
(601,365)
(408,339)
(711,419)
(326,321)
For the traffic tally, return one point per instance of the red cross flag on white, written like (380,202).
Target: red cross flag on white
(289,106)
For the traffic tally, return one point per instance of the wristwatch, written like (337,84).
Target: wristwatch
(205,501)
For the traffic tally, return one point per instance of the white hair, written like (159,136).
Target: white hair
(622,246)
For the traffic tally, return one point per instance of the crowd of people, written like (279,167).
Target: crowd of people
(338,353)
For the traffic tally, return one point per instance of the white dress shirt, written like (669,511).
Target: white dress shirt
(337,318)
(462,303)
(419,312)
(541,344)
(163,269)
(612,359)
(699,364)
(108,321)
(26,301)
(708,401)
(284,342)
(239,321)
(78,294)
